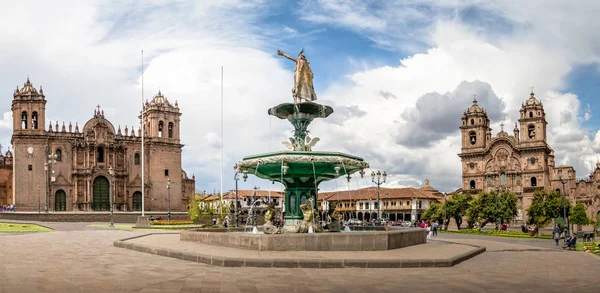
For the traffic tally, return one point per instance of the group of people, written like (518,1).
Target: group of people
(7,208)
(432,228)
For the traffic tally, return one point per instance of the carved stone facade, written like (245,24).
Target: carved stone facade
(6,177)
(522,162)
(78,177)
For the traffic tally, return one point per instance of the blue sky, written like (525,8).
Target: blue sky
(398,73)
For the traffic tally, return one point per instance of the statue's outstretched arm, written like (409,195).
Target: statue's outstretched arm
(280,53)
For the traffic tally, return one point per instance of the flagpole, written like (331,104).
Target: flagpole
(143,157)
(222,164)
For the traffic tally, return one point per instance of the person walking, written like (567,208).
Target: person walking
(556,234)
(435,228)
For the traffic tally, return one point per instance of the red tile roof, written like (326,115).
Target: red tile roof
(370,193)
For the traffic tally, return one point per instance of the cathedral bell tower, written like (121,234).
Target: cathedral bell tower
(161,119)
(475,128)
(29,110)
(532,121)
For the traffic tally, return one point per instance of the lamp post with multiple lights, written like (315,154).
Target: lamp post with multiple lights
(378,179)
(169,200)
(111,173)
(564,205)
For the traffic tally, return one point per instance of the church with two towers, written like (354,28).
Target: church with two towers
(78,168)
(522,162)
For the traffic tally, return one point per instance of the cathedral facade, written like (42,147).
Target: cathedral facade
(78,170)
(522,162)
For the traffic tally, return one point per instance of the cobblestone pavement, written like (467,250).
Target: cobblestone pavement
(78,258)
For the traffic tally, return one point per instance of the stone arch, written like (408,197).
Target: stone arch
(24,120)
(100,191)
(136,201)
(60,201)
(34,120)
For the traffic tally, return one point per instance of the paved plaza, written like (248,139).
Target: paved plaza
(81,258)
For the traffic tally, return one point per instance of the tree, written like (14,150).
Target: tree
(545,207)
(489,207)
(457,206)
(579,216)
(507,207)
(435,212)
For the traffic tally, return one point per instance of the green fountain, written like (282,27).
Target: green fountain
(300,169)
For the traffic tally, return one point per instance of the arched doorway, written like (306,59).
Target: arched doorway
(100,200)
(60,201)
(136,204)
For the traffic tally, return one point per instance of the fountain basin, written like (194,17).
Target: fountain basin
(363,241)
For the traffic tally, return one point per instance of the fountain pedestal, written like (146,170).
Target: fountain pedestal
(300,170)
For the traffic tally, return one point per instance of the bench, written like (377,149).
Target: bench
(587,236)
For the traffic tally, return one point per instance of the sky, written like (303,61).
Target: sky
(399,75)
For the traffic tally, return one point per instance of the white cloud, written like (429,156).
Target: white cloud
(510,65)
(85,53)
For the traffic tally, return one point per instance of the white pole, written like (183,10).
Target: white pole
(222,166)
(143,157)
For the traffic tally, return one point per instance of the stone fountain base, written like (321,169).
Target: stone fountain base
(353,241)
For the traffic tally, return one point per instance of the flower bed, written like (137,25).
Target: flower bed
(170,223)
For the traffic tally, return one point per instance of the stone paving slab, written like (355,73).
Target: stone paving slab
(433,254)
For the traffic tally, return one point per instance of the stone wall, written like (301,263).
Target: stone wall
(87,216)
(359,241)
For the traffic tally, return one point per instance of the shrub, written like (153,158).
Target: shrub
(172,222)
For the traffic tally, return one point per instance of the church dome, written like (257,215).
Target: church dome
(475,108)
(532,101)
(9,154)
(160,100)
(28,90)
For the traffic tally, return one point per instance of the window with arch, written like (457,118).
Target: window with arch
(558,190)
(479,120)
(34,120)
(170,129)
(533,181)
(24,120)
(472,137)
(100,154)
(503,178)
(58,154)
(136,159)
(160,128)
(472,184)
(472,121)
(531,131)
(530,114)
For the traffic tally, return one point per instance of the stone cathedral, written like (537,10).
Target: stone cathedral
(71,165)
(522,162)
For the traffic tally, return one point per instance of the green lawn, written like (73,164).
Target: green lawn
(593,246)
(491,232)
(18,227)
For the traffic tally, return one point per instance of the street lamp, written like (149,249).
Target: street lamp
(49,166)
(169,200)
(236,177)
(376,178)
(38,199)
(46,201)
(496,212)
(445,220)
(111,173)
(564,205)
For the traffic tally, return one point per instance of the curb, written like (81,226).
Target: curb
(296,263)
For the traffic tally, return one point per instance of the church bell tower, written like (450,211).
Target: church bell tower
(532,121)
(474,128)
